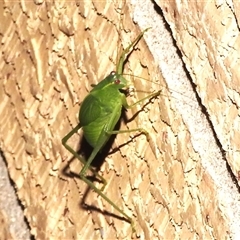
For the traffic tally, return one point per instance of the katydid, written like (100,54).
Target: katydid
(98,115)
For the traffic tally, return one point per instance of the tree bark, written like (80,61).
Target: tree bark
(52,53)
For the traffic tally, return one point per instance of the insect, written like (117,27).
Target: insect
(98,115)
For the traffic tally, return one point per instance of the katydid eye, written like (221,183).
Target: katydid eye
(117,81)
(112,73)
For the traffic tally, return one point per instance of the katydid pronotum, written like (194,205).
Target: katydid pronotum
(98,115)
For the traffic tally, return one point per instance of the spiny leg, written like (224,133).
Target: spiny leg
(125,104)
(76,155)
(123,55)
(100,192)
(152,95)
(86,166)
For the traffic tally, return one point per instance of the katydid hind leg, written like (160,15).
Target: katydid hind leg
(76,155)
(100,192)
(87,166)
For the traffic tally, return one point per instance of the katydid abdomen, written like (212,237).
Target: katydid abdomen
(100,111)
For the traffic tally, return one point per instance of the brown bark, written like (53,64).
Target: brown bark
(208,35)
(52,53)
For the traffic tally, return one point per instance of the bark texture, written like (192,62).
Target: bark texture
(211,31)
(51,54)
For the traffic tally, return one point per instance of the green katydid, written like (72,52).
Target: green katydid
(98,115)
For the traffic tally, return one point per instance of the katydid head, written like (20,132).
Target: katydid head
(114,80)
(118,80)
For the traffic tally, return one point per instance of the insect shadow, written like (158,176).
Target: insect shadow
(85,150)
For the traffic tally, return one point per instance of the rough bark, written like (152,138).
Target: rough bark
(52,53)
